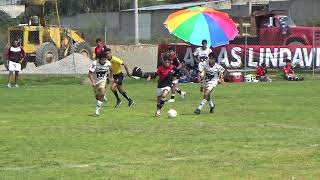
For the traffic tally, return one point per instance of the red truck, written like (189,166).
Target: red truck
(273,28)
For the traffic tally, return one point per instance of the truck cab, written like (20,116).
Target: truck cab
(274,28)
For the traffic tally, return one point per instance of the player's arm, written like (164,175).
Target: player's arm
(8,55)
(200,76)
(196,56)
(22,55)
(126,68)
(201,73)
(222,73)
(180,65)
(110,75)
(90,73)
(285,72)
(152,76)
(90,76)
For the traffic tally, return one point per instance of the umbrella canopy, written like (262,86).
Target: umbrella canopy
(198,23)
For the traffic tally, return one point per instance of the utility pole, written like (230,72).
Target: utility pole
(136,22)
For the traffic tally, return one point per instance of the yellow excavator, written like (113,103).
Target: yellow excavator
(44,43)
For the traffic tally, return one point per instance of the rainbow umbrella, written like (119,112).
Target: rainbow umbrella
(198,23)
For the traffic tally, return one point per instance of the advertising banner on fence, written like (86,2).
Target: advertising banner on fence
(237,56)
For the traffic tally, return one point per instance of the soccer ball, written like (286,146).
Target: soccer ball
(172,113)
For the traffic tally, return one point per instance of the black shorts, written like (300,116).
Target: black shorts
(118,78)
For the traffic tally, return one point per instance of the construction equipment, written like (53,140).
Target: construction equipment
(45,43)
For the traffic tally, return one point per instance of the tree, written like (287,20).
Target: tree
(5,21)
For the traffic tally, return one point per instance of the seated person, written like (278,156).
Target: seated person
(288,72)
(261,73)
(185,74)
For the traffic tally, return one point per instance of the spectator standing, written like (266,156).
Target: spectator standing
(15,57)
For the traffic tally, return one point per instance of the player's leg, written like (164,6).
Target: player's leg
(210,101)
(16,78)
(203,102)
(123,91)
(161,99)
(99,91)
(175,89)
(115,92)
(9,79)
(173,92)
(11,68)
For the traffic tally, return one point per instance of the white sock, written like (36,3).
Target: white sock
(211,104)
(98,105)
(203,102)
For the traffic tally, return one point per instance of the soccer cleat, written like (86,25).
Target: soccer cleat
(171,100)
(131,103)
(197,111)
(97,113)
(158,113)
(183,94)
(118,104)
(9,85)
(16,85)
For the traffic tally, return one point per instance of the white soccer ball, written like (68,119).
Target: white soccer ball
(172,113)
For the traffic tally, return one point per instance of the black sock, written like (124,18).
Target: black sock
(116,95)
(173,96)
(124,94)
(178,90)
(160,105)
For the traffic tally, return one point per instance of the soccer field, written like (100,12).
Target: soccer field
(259,131)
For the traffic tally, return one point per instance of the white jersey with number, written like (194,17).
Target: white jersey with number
(100,70)
(212,74)
(202,54)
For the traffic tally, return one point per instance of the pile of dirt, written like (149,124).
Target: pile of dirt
(72,64)
(143,56)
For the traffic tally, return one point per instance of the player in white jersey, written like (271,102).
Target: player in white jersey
(201,56)
(97,74)
(213,74)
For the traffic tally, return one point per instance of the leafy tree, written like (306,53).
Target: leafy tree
(5,21)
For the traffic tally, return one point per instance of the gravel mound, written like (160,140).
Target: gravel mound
(72,64)
(143,56)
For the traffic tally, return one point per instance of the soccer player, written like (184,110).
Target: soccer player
(177,63)
(166,73)
(213,74)
(289,72)
(15,55)
(97,75)
(201,55)
(100,50)
(117,78)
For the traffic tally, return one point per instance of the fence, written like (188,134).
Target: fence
(268,38)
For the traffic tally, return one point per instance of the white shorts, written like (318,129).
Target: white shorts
(13,66)
(160,90)
(210,84)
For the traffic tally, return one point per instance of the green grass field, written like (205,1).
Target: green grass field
(259,131)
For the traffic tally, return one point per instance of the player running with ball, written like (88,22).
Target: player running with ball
(213,74)
(166,72)
(97,75)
